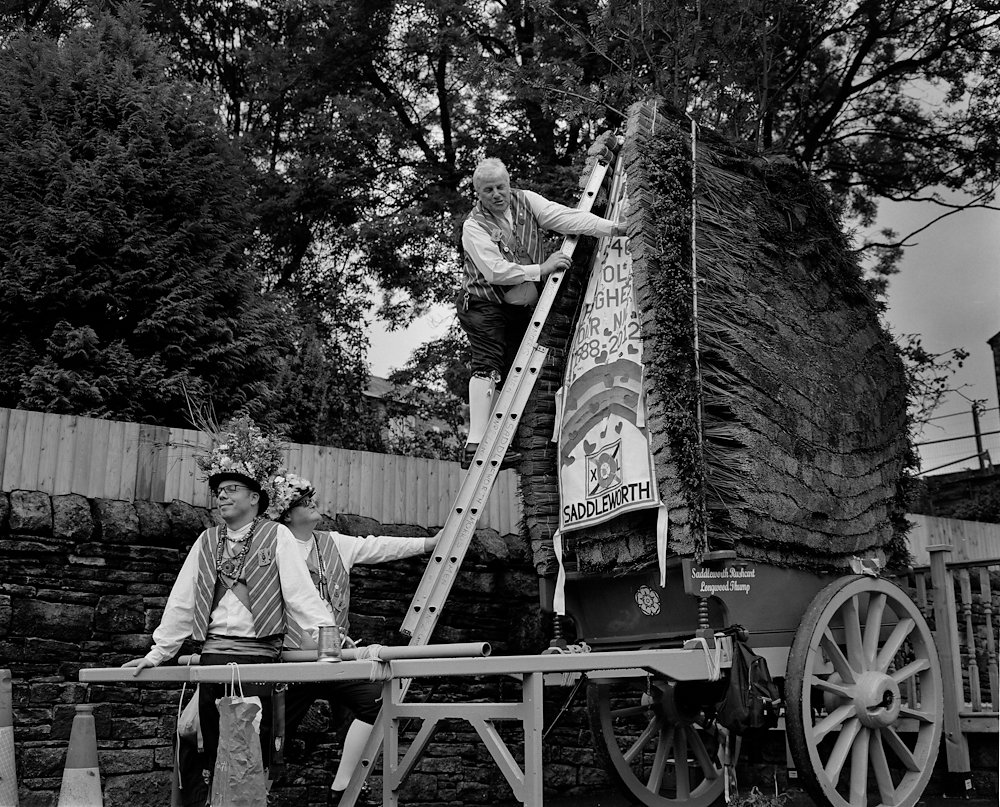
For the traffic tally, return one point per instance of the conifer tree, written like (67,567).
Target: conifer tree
(125,223)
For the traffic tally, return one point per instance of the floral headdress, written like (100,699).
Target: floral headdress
(242,449)
(289,490)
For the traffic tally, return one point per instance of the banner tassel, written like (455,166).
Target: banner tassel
(662,531)
(559,597)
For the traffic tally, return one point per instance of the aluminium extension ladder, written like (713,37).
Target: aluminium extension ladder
(443,567)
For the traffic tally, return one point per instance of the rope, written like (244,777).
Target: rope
(713,656)
(699,385)
(381,669)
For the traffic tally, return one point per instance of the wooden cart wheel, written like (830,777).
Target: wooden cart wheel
(863,660)
(655,743)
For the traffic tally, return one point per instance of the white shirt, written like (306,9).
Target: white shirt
(488,259)
(231,617)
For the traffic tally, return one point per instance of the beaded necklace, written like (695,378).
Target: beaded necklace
(231,567)
(324,591)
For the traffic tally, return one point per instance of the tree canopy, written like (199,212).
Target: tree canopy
(361,120)
(124,225)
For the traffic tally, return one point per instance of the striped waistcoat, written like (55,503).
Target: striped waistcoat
(338,584)
(260,574)
(527,247)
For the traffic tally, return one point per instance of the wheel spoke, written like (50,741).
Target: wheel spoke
(910,670)
(701,754)
(629,711)
(682,773)
(916,714)
(834,687)
(859,768)
(833,720)
(836,656)
(835,764)
(639,744)
(880,767)
(898,747)
(873,628)
(655,780)
(895,641)
(852,633)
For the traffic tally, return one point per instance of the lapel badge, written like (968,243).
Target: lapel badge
(265,556)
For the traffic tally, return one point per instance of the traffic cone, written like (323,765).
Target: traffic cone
(81,784)
(8,773)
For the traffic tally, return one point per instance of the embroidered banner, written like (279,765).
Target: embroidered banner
(605,461)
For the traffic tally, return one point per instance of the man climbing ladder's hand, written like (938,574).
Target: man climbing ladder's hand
(556,262)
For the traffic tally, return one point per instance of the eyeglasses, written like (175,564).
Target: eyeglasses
(229,490)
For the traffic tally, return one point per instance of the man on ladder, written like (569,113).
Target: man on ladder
(502,251)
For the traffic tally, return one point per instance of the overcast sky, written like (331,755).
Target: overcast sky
(948,290)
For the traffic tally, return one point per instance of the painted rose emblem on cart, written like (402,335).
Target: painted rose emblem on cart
(647,600)
(604,469)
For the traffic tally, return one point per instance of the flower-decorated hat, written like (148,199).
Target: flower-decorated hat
(290,490)
(245,454)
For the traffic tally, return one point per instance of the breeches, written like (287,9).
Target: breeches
(363,698)
(495,331)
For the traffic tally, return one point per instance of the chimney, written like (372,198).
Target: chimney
(994,342)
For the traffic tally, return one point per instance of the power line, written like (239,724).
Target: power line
(960,437)
(956,414)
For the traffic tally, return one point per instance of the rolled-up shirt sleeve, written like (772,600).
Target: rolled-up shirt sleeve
(302,601)
(567,220)
(490,261)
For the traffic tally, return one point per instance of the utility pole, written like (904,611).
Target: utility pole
(979,436)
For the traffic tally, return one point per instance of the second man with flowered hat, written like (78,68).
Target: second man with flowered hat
(329,557)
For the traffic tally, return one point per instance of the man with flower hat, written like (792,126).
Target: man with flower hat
(242,582)
(330,556)
(503,261)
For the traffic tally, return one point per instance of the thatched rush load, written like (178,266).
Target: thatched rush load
(804,444)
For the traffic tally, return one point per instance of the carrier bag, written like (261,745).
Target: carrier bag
(751,699)
(239,780)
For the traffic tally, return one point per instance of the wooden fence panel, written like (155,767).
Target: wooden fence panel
(14,449)
(971,541)
(31,453)
(100,444)
(61,454)
(66,458)
(151,463)
(4,423)
(171,488)
(81,456)
(130,462)
(113,458)
(48,451)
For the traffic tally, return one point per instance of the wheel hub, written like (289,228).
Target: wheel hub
(876,696)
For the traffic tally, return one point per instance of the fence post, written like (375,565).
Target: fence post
(959,779)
